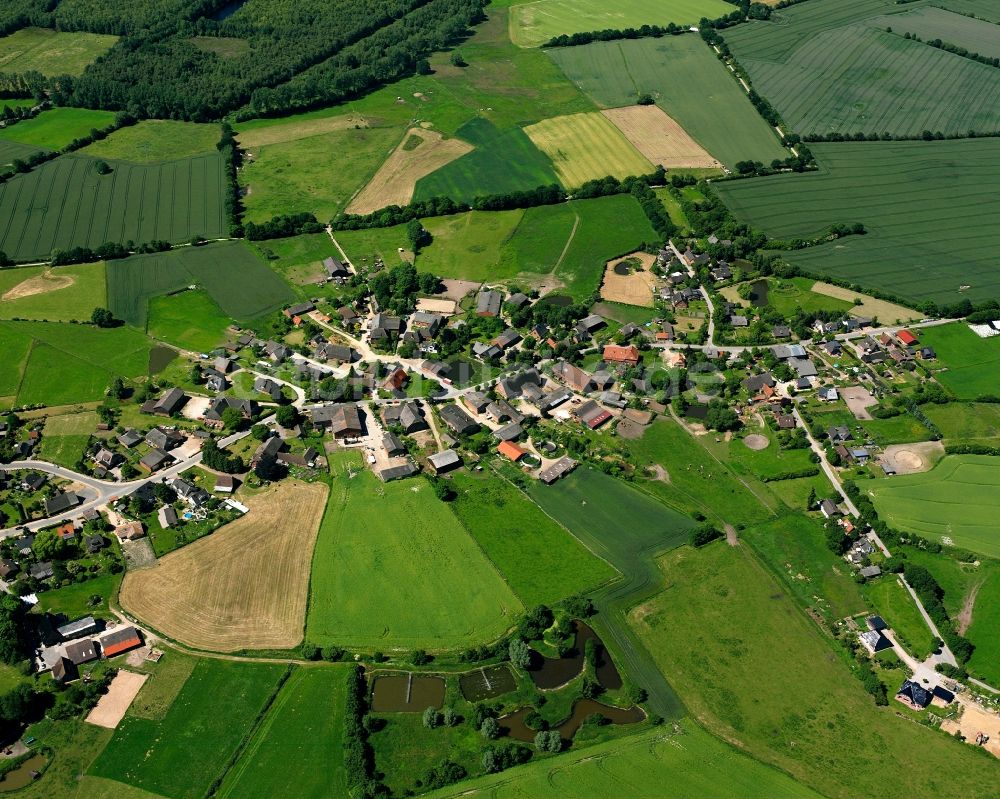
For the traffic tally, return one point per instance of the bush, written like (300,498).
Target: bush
(704,534)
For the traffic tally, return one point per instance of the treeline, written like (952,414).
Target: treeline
(17,14)
(926,135)
(954,49)
(232,158)
(359,759)
(109,251)
(280,227)
(99,16)
(220,459)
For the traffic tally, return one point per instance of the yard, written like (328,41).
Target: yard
(894,604)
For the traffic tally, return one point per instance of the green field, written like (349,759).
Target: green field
(975,35)
(984,631)
(74,600)
(296,749)
(189,319)
(65,293)
(66,203)
(686,762)
(13,150)
(928,208)
(540,560)
(467,246)
(831,66)
(50,52)
(388,563)
(966,422)
(534,23)
(503,161)
(65,437)
(61,364)
(152,141)
(958,499)
(180,755)
(233,275)
(363,246)
(299,259)
(312,174)
(894,604)
(54,129)
(971,365)
(753,668)
(771,463)
(687,81)
(794,547)
(795,294)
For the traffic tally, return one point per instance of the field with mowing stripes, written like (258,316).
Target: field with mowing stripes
(958,499)
(831,66)
(975,35)
(587,147)
(929,207)
(686,80)
(11,150)
(243,587)
(534,23)
(66,203)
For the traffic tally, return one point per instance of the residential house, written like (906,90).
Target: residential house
(488,303)
(266,385)
(106,458)
(616,354)
(166,516)
(828,394)
(476,401)
(276,352)
(343,421)
(839,434)
(80,652)
(829,509)
(267,451)
(63,671)
(154,460)
(33,481)
(833,347)
(508,338)
(215,380)
(61,503)
(338,353)
(8,569)
(42,570)
(430,322)
(906,338)
(781,331)
(737,320)
(785,421)
(927,354)
(574,377)
(874,641)
(458,420)
(870,572)
(393,445)
(158,438)
(757,383)
(195,496)
(396,380)
(803,367)
(385,327)
(590,325)
(513,386)
(603,380)
(445,461)
(408,415)
(914,695)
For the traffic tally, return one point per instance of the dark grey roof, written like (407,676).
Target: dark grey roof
(61,503)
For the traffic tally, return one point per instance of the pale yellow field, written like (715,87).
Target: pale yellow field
(887,312)
(420,153)
(632,289)
(260,135)
(585,147)
(659,138)
(243,587)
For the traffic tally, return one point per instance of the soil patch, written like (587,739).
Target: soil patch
(756,442)
(859,400)
(660,473)
(627,285)
(912,458)
(420,153)
(438,306)
(659,138)
(628,429)
(40,284)
(458,290)
(976,720)
(964,618)
(110,708)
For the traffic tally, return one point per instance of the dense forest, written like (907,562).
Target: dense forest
(292,54)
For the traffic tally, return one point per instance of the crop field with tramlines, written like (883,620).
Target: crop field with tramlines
(930,209)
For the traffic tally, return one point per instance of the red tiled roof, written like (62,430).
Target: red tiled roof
(616,354)
(906,337)
(511,450)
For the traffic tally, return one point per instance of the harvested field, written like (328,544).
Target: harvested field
(111,707)
(243,587)
(659,138)
(420,153)
(859,399)
(883,310)
(259,135)
(912,458)
(634,288)
(586,147)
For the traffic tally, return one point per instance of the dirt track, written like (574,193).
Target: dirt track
(243,587)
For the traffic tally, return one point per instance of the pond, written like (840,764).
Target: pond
(622,268)
(406,693)
(514,727)
(548,673)
(23,774)
(758,293)
(559,300)
(160,358)
(487,683)
(696,411)
(228,10)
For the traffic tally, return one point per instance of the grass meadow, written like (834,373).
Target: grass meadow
(299,259)
(984,631)
(171,201)
(928,208)
(73,600)
(389,559)
(771,463)
(180,755)
(13,150)
(832,66)
(975,35)
(57,127)
(189,319)
(152,141)
(957,500)
(683,763)
(64,293)
(966,422)
(686,80)
(754,669)
(235,277)
(51,52)
(65,437)
(468,246)
(304,727)
(971,364)
(540,560)
(787,296)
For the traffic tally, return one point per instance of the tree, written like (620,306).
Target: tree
(548,741)
(102,317)
(424,67)
(457,60)
(490,729)
(520,653)
(287,416)
(13,646)
(332,653)
(231,418)
(117,389)
(260,432)
(449,717)
(418,235)
(103,168)
(419,657)
(704,534)
(430,718)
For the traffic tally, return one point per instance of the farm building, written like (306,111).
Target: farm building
(81,652)
(560,468)
(488,303)
(397,472)
(458,420)
(874,641)
(63,670)
(343,421)
(75,629)
(170,403)
(590,325)
(906,338)
(574,377)
(511,451)
(445,461)
(616,354)
(592,414)
(335,268)
(508,432)
(476,401)
(422,320)
(409,416)
(118,641)
(299,309)
(158,438)
(154,459)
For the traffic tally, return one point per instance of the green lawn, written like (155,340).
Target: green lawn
(51,52)
(65,293)
(686,80)
(153,140)
(296,749)
(795,294)
(970,364)
(181,754)
(957,500)
(794,547)
(10,678)
(190,320)
(388,557)
(771,463)
(73,601)
(894,604)
(64,437)
(364,246)
(54,129)
(753,668)
(966,422)
(682,763)
(541,561)
(534,23)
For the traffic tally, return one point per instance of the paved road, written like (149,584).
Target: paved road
(831,473)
